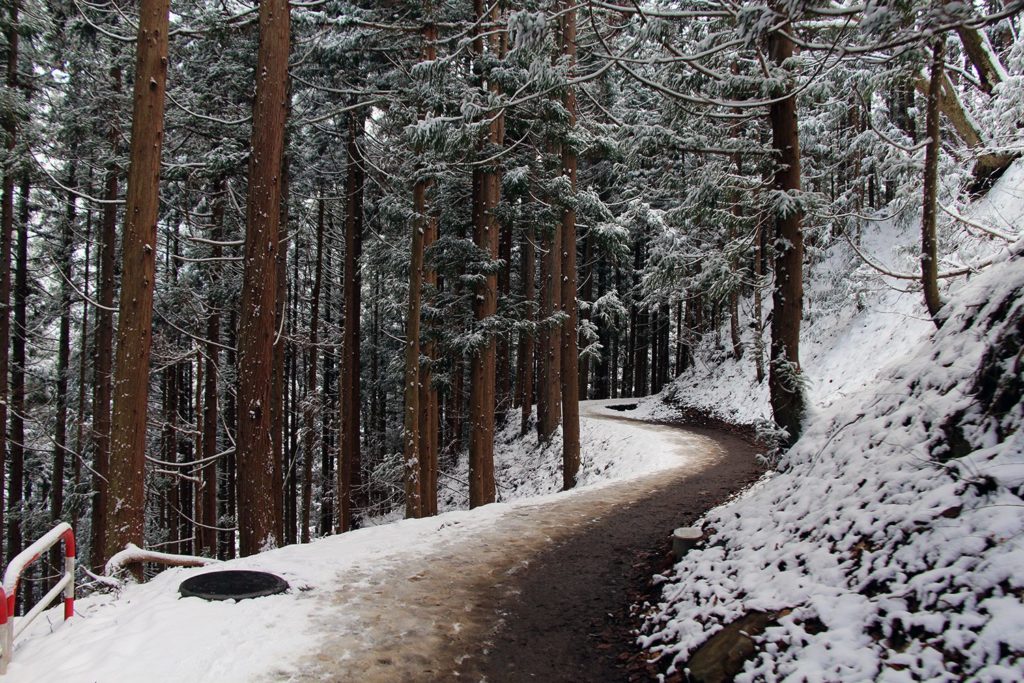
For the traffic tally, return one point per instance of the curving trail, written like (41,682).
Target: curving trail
(540,592)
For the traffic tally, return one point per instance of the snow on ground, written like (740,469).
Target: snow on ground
(889,543)
(146,632)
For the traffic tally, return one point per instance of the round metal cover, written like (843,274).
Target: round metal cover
(232,584)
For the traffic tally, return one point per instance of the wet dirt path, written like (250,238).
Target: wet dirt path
(542,594)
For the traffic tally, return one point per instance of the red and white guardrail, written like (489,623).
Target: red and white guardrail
(9,589)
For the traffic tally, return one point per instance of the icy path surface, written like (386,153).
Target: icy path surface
(413,600)
(432,613)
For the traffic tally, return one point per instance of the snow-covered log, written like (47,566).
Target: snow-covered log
(133,554)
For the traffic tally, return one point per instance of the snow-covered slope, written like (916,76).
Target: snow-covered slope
(888,545)
(856,321)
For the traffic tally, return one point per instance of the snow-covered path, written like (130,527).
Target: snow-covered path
(413,600)
(434,613)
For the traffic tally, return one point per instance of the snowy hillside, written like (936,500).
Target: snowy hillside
(888,544)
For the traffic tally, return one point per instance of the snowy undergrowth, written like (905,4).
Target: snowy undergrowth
(855,321)
(888,545)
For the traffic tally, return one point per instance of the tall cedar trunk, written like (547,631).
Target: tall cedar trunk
(570,349)
(230,480)
(929,252)
(16,475)
(641,357)
(429,411)
(126,493)
(664,331)
(416,460)
(655,324)
(787,396)
(503,376)
(349,457)
(526,337)
(170,454)
(256,331)
(329,412)
(10,125)
(485,235)
(60,435)
(411,420)
(758,322)
(429,425)
(549,361)
(586,294)
(208,473)
(602,372)
(289,419)
(312,403)
(83,353)
(279,372)
(103,358)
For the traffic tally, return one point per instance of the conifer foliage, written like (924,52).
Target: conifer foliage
(270,270)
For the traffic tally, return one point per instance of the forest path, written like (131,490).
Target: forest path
(539,594)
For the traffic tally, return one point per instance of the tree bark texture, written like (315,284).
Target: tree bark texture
(16,473)
(786,391)
(549,361)
(929,250)
(130,386)
(349,455)
(257,325)
(526,338)
(103,358)
(10,125)
(570,349)
(482,371)
(313,404)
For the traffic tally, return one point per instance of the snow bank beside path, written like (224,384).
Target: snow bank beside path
(889,545)
(148,633)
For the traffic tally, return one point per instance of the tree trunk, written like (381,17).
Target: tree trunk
(60,436)
(208,473)
(549,361)
(83,353)
(486,235)
(787,396)
(929,251)
(570,348)
(258,528)
(983,57)
(10,125)
(586,294)
(349,456)
(411,422)
(328,412)
(103,358)
(526,338)
(429,412)
(988,165)
(229,511)
(16,475)
(126,494)
(312,403)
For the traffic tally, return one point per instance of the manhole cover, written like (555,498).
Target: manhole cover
(232,584)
